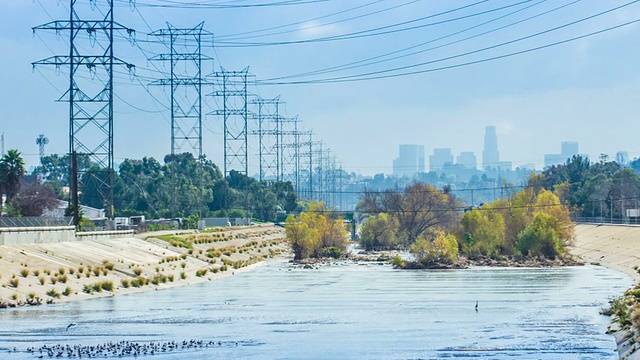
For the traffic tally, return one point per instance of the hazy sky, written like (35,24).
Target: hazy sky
(586,90)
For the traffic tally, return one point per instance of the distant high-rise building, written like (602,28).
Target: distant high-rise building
(410,161)
(568,150)
(467,159)
(490,154)
(553,159)
(439,158)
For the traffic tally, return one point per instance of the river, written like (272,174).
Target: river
(344,311)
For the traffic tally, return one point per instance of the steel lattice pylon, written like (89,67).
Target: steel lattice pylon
(267,115)
(185,81)
(289,139)
(305,156)
(235,113)
(90,98)
(185,59)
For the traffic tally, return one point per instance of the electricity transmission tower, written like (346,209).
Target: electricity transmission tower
(305,167)
(267,115)
(289,139)
(90,96)
(41,141)
(185,81)
(234,112)
(317,186)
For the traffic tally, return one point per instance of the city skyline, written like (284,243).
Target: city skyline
(441,157)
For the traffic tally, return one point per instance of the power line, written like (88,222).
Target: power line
(377,31)
(169,4)
(380,58)
(298,22)
(378,74)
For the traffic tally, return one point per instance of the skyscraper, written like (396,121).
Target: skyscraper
(467,159)
(490,154)
(439,158)
(568,150)
(410,161)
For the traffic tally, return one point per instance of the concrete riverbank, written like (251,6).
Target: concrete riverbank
(616,247)
(67,271)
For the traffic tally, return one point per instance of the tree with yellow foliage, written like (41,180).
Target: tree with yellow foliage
(548,203)
(440,249)
(315,233)
(540,238)
(530,222)
(484,231)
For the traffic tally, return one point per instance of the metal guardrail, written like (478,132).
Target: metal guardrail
(9,222)
(607,220)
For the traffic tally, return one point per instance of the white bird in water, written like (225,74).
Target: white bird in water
(70,325)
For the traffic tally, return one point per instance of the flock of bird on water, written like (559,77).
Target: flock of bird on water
(124,348)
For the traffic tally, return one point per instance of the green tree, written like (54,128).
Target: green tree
(548,203)
(314,232)
(302,235)
(540,238)
(581,185)
(11,172)
(57,168)
(625,187)
(487,229)
(441,249)
(379,232)
(418,208)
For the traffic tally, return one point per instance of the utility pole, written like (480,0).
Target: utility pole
(90,111)
(185,81)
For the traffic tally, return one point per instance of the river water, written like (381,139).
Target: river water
(345,311)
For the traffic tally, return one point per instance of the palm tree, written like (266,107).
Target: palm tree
(11,171)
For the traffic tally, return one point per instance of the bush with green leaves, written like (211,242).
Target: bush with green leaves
(53,293)
(440,249)
(107,285)
(540,238)
(398,262)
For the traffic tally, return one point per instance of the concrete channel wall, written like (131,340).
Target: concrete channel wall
(54,234)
